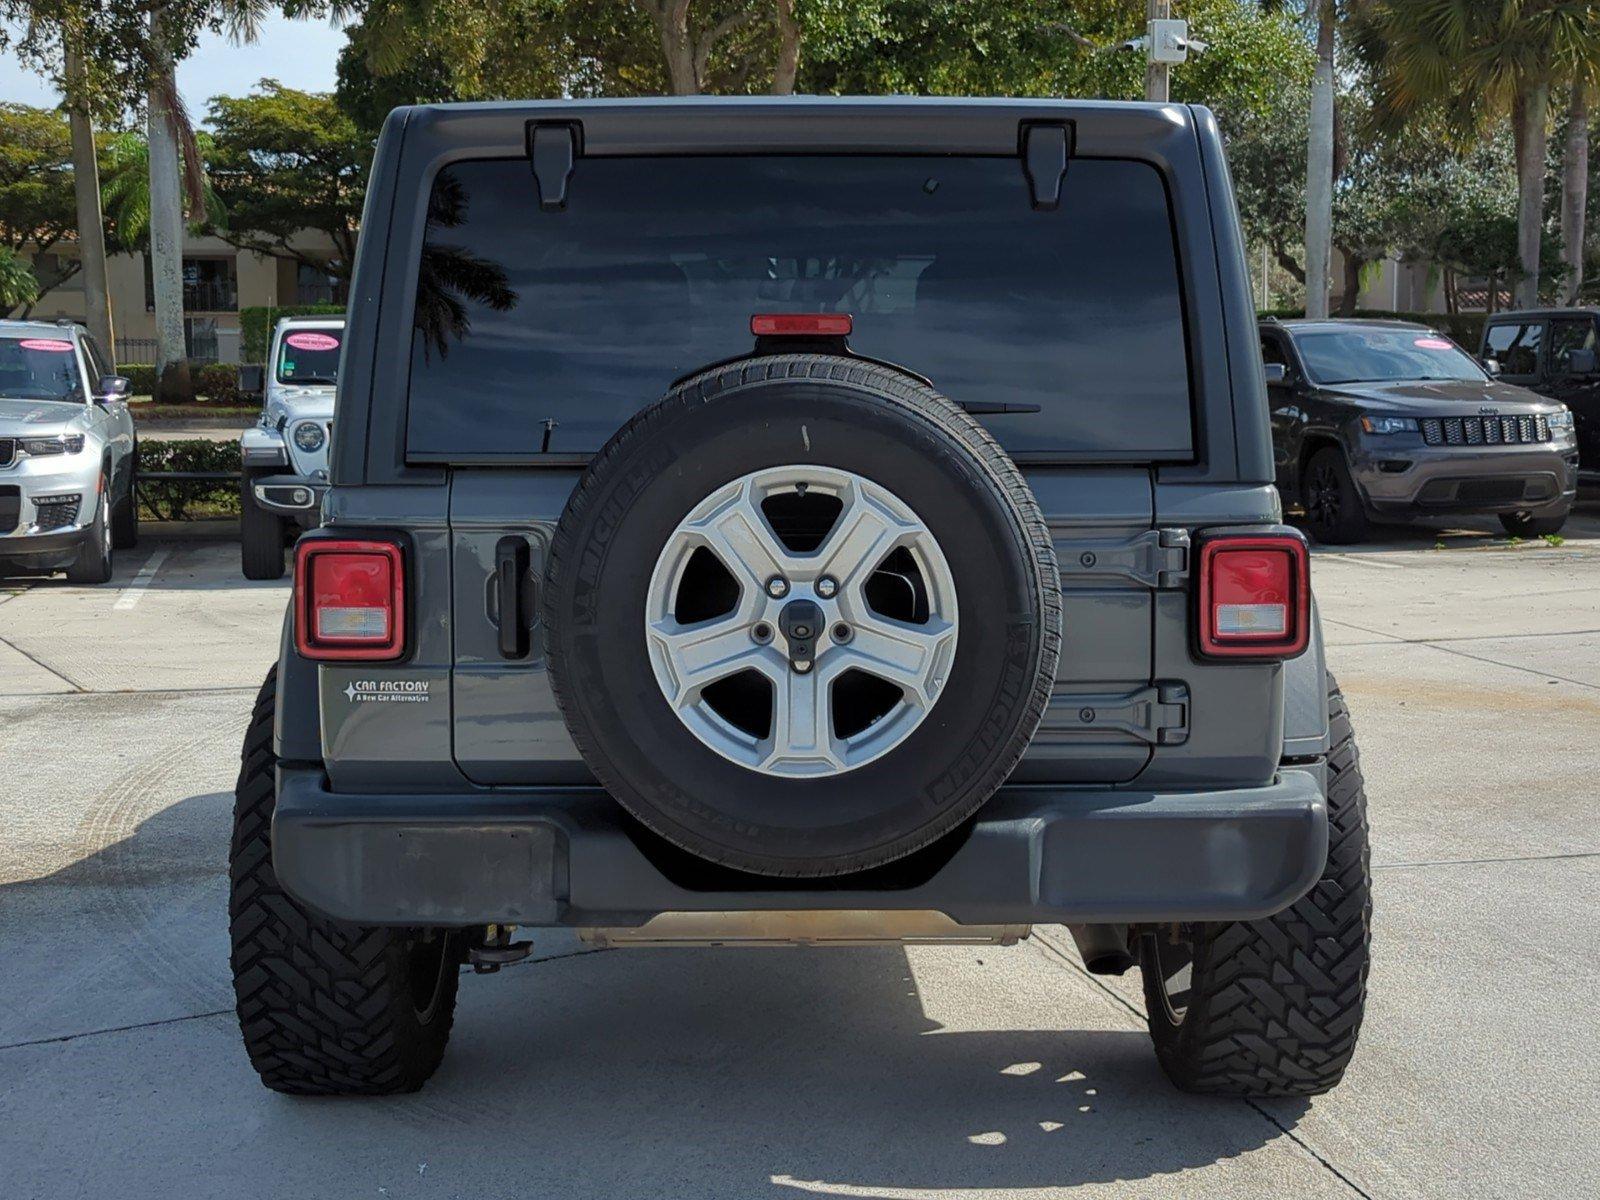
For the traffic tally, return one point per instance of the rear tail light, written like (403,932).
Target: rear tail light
(801,324)
(1255,596)
(349,600)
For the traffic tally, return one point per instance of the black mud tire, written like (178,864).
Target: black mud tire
(325,1008)
(125,512)
(92,564)
(261,535)
(1273,1007)
(816,410)
(1335,514)
(1525,525)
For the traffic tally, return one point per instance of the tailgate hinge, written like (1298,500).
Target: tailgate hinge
(1045,147)
(553,147)
(1158,715)
(1156,558)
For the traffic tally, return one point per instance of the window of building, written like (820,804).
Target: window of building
(210,284)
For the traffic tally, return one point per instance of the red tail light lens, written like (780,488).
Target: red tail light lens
(801,324)
(349,600)
(1255,596)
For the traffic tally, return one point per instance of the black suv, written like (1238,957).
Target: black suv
(1387,420)
(1552,351)
(801,521)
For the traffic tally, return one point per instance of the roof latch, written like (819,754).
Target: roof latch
(1046,147)
(552,148)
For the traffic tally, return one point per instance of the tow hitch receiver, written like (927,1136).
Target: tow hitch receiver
(497,950)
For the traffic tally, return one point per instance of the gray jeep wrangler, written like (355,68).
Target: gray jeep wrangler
(801,521)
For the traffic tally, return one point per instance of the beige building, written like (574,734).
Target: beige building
(218,280)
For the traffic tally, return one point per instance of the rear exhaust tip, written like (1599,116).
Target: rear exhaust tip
(1104,948)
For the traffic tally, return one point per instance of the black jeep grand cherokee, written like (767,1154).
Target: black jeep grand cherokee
(1386,420)
(813,521)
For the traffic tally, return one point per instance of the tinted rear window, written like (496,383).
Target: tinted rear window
(656,265)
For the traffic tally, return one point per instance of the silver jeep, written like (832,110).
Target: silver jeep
(285,454)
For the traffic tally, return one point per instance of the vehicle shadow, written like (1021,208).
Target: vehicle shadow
(589,1073)
(823,1072)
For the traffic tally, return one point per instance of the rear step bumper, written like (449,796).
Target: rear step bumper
(1036,855)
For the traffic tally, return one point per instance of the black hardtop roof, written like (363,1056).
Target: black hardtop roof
(1524,314)
(796,124)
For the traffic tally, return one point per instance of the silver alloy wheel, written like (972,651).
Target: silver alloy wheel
(756,637)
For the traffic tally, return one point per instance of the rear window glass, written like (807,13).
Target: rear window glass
(657,264)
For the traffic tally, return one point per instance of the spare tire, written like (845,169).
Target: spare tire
(803,615)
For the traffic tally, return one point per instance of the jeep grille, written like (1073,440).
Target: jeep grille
(1484,431)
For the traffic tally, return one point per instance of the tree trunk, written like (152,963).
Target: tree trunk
(1352,285)
(677,47)
(1574,190)
(1530,126)
(788,67)
(1319,168)
(91,223)
(166,227)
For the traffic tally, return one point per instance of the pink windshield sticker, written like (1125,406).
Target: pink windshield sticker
(312,341)
(1431,344)
(50,345)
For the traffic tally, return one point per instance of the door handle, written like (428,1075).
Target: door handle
(514,593)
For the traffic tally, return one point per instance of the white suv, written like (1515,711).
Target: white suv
(67,453)
(285,455)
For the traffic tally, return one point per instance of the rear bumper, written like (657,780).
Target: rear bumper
(1036,855)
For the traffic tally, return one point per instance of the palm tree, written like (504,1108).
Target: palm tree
(86,191)
(1480,62)
(1319,163)
(1575,188)
(125,192)
(54,33)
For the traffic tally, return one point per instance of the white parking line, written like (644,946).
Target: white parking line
(136,586)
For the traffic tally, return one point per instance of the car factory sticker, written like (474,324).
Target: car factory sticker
(312,341)
(387,691)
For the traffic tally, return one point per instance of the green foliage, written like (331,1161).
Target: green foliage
(284,161)
(1553,539)
(214,382)
(125,193)
(37,208)
(17,284)
(176,500)
(1466,329)
(256,322)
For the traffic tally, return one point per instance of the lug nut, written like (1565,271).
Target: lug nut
(827,587)
(841,632)
(777,587)
(762,633)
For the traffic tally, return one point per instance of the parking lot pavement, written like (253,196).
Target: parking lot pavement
(1473,673)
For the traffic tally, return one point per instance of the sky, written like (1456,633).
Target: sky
(299,54)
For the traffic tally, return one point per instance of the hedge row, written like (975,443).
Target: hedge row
(214,382)
(1465,328)
(255,324)
(182,499)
